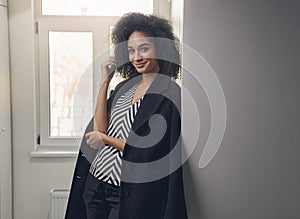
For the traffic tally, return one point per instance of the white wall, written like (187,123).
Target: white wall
(32,177)
(5,120)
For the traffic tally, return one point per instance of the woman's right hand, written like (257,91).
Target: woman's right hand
(108,69)
(95,139)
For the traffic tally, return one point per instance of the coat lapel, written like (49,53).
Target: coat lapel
(152,99)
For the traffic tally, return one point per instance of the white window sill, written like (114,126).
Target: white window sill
(53,154)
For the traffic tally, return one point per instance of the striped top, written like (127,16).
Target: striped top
(107,163)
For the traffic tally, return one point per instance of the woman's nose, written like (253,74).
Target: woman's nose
(137,56)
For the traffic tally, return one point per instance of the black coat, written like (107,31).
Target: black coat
(149,189)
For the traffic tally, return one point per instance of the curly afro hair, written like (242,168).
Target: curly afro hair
(159,30)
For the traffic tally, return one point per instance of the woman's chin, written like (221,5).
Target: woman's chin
(140,71)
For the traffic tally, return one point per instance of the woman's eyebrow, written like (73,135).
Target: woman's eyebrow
(144,44)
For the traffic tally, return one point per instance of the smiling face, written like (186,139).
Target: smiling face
(141,52)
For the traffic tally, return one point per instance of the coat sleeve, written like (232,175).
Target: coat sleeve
(76,206)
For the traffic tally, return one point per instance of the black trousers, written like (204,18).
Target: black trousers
(101,199)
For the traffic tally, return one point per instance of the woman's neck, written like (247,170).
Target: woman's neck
(147,79)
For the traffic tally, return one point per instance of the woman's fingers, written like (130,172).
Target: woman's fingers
(87,135)
(109,67)
(94,140)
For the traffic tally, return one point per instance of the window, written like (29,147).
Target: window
(95,7)
(70,36)
(69,54)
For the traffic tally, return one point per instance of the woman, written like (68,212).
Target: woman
(115,187)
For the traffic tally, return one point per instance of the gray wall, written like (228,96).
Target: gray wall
(253,47)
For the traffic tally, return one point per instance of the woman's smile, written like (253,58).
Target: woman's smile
(139,65)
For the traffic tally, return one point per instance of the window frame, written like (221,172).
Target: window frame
(100,27)
(65,24)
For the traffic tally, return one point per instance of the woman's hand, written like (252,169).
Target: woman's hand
(95,139)
(108,69)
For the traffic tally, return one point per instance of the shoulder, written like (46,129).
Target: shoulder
(174,87)
(165,86)
(173,94)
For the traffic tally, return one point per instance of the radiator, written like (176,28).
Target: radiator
(58,203)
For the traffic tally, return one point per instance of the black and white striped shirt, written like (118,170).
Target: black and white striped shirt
(107,163)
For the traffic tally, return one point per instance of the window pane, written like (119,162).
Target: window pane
(96,7)
(70,53)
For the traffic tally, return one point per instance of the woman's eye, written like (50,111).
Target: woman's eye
(130,51)
(144,49)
